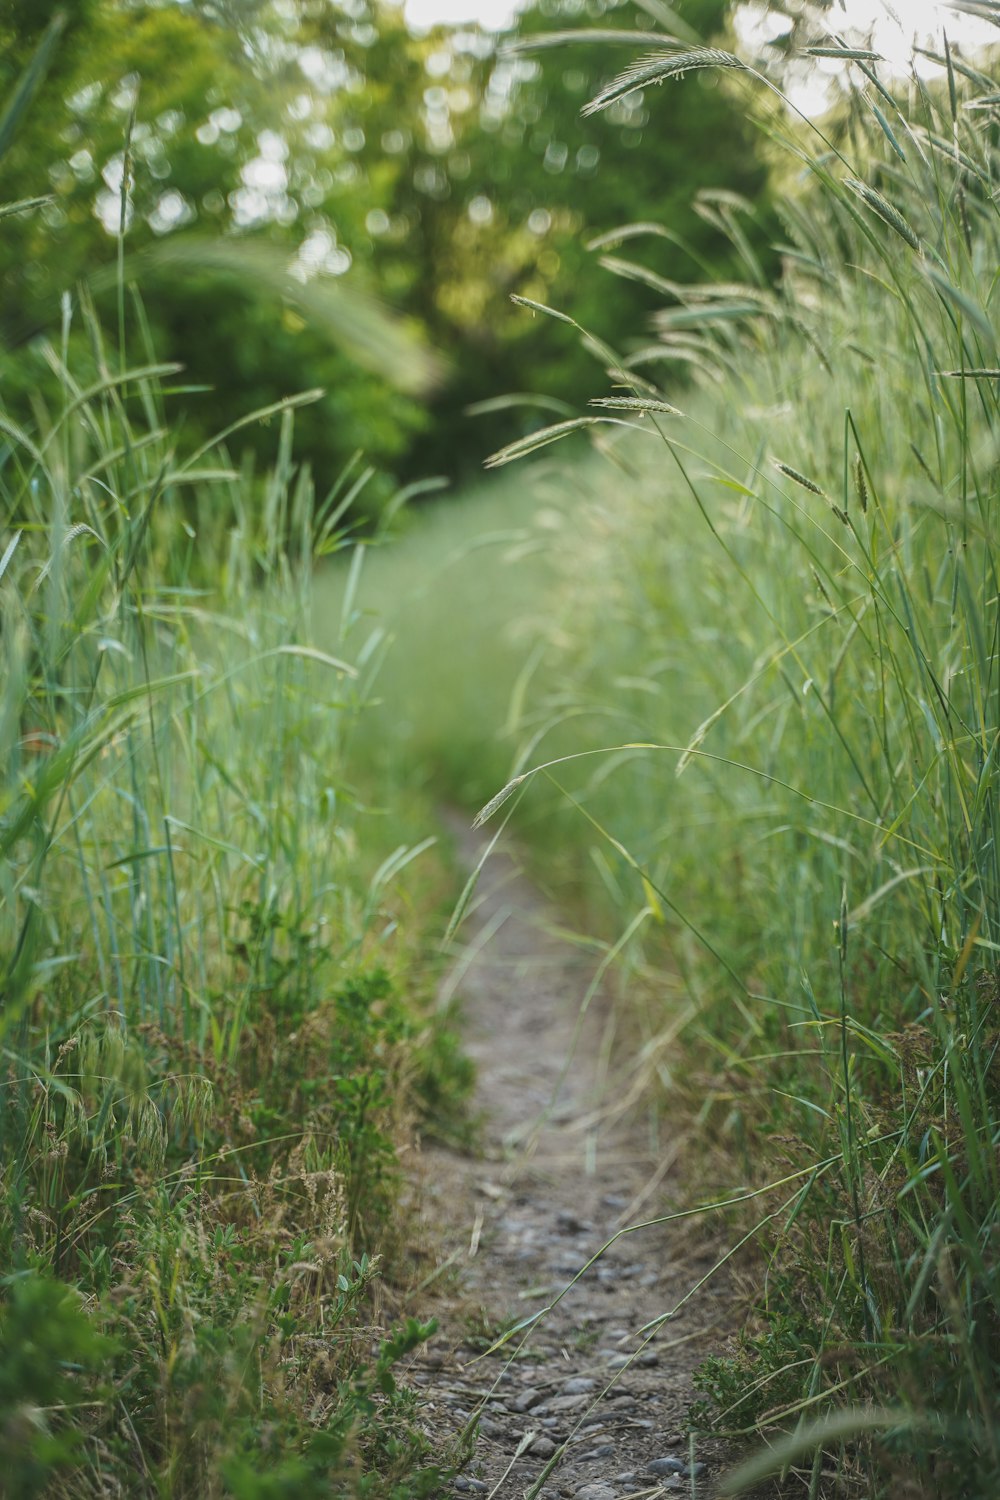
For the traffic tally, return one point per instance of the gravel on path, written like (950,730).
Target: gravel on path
(587,1397)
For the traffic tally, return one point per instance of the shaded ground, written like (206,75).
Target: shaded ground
(587,1401)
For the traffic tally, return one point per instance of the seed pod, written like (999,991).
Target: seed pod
(860,483)
(807,484)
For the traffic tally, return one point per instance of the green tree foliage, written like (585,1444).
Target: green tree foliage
(512,184)
(220,121)
(443,170)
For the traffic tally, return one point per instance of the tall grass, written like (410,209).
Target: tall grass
(213,979)
(210,1057)
(776,733)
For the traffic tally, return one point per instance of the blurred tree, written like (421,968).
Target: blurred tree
(439,168)
(231,107)
(507,185)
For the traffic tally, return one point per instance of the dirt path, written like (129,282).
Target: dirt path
(588,1401)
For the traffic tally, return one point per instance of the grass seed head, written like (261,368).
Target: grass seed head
(860,483)
(798,478)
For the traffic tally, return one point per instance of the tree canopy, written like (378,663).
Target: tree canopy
(441,172)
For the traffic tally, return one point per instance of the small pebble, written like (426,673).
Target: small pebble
(597,1491)
(542,1447)
(527,1399)
(491,1429)
(663,1466)
(578,1386)
(467,1486)
(695,1469)
(565,1403)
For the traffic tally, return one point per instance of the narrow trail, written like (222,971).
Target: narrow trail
(588,1400)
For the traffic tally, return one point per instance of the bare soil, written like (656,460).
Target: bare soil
(589,1398)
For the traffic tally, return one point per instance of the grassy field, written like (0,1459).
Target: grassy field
(217,1020)
(734,679)
(458,601)
(756,727)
